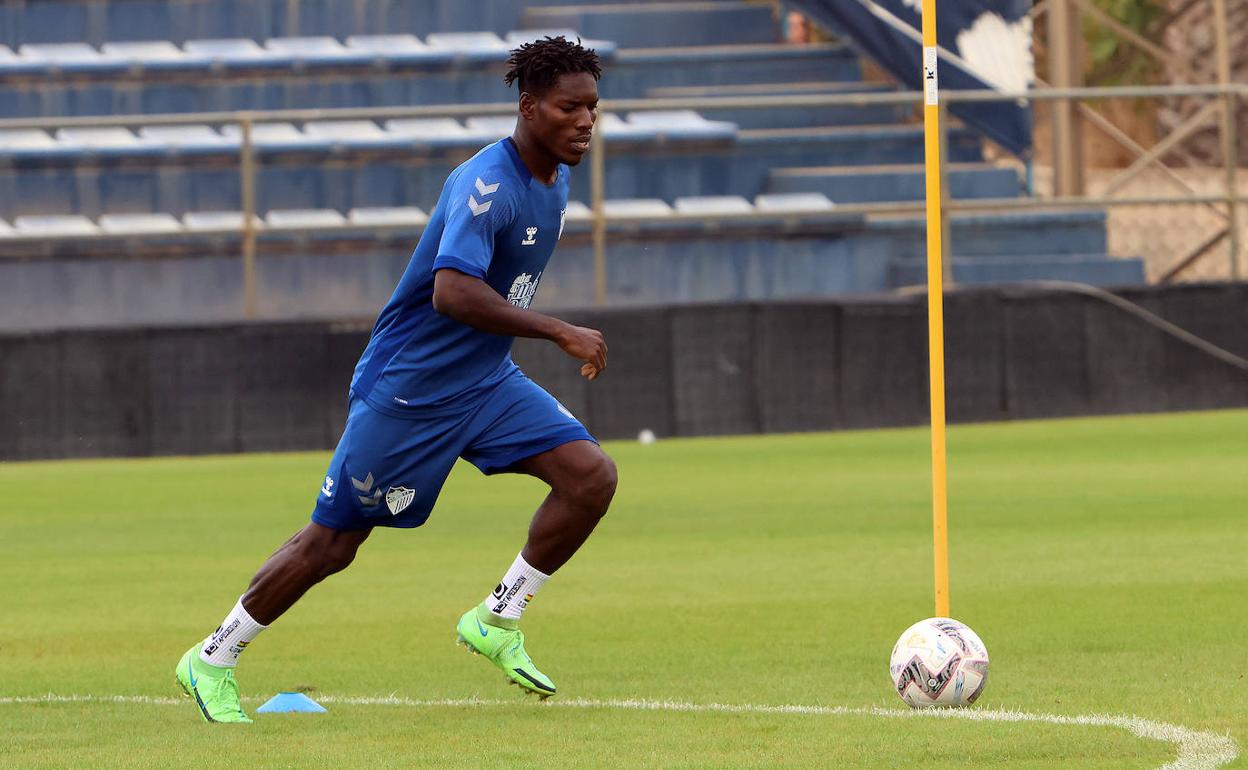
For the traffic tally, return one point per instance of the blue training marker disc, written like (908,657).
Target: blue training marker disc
(285,702)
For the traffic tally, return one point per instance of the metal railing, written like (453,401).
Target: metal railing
(1228,97)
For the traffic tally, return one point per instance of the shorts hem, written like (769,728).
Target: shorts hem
(338,526)
(492,466)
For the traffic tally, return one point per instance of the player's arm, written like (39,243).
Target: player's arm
(471,301)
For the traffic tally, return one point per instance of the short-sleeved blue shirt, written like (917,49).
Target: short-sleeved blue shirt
(495,222)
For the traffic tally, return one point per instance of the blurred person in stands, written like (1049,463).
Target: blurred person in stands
(796,28)
(436,382)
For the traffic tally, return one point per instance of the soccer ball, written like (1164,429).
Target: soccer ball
(939,662)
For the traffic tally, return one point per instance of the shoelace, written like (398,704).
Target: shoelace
(230,686)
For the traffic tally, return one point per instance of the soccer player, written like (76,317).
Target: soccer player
(437,382)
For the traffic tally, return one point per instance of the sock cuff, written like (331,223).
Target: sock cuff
(246,617)
(529,568)
(223,646)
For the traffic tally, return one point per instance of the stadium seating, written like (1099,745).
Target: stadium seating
(382,70)
(98,21)
(344,164)
(701,205)
(691,249)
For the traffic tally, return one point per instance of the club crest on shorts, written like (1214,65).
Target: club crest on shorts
(398,498)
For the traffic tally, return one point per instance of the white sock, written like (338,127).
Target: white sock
(519,585)
(223,646)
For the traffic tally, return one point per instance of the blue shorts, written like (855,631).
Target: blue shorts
(387,470)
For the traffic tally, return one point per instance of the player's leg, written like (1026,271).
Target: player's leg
(582,481)
(311,555)
(206,671)
(528,431)
(386,471)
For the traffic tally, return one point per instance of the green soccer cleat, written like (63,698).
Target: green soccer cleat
(484,633)
(212,687)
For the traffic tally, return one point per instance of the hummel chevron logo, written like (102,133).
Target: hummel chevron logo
(367,500)
(483,190)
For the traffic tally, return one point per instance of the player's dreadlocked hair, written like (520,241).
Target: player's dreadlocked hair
(537,65)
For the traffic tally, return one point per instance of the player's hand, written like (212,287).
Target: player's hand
(586,345)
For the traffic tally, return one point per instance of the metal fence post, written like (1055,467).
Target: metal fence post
(247,174)
(1065,71)
(1230,147)
(1227,127)
(597,172)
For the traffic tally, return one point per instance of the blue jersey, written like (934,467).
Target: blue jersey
(495,222)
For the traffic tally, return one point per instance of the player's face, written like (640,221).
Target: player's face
(563,117)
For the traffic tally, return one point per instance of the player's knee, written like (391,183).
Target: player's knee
(597,485)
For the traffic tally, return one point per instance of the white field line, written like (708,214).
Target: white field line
(1197,750)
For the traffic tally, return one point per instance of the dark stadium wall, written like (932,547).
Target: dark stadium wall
(688,370)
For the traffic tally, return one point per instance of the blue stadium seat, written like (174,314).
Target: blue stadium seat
(577,213)
(355,134)
(139,224)
(636,207)
(616,129)
(318,52)
(207,221)
(794,203)
(72,58)
(433,132)
(682,124)
(54,226)
(641,208)
(275,137)
(491,128)
(239,54)
(155,55)
(115,141)
(12,64)
(190,139)
(388,216)
(715,205)
(470,46)
(303,219)
(31,143)
(399,50)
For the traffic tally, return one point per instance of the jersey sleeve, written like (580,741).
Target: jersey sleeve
(477,210)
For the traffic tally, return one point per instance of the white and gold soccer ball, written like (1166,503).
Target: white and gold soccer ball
(939,662)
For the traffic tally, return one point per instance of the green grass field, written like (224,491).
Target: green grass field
(1101,560)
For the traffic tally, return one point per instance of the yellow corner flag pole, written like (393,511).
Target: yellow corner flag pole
(935,309)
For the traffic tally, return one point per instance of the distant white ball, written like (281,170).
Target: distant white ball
(646,436)
(939,662)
